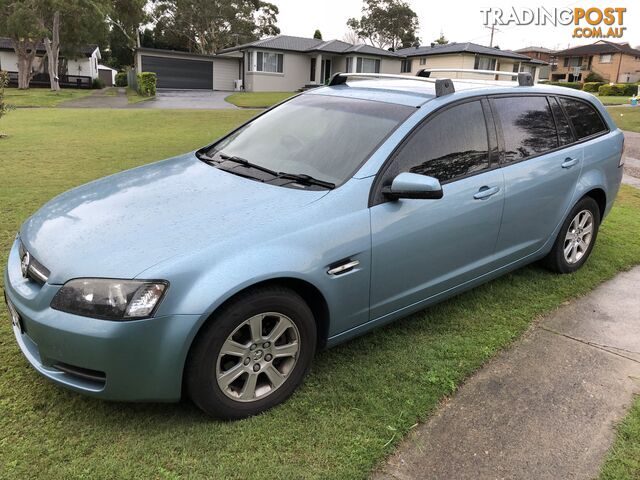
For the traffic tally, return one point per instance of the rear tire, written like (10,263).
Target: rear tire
(576,238)
(253,354)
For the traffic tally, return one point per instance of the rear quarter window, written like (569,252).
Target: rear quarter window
(586,120)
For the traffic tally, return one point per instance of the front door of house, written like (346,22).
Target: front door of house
(326,70)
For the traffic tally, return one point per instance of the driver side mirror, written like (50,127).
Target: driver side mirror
(413,185)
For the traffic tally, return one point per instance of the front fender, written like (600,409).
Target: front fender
(200,283)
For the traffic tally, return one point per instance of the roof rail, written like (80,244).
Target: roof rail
(524,78)
(444,86)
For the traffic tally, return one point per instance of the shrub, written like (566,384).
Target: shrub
(629,89)
(147,84)
(121,79)
(4,108)
(574,85)
(97,83)
(619,90)
(592,86)
(594,77)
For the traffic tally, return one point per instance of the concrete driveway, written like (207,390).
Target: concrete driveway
(198,99)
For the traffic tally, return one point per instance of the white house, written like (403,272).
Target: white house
(73,72)
(281,63)
(285,63)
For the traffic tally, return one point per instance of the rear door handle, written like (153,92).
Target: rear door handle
(569,162)
(486,192)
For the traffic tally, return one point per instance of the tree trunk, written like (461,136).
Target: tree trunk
(26,52)
(52,46)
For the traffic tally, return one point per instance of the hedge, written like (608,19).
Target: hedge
(147,84)
(619,90)
(574,85)
(121,79)
(592,86)
(97,83)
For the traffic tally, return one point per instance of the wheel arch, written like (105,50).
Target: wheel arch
(599,195)
(309,293)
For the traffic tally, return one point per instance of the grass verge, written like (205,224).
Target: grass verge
(134,97)
(43,97)
(359,400)
(258,99)
(627,118)
(613,100)
(623,460)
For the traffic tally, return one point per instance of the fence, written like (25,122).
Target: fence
(42,80)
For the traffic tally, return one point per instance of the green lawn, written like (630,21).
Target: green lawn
(627,118)
(623,460)
(611,100)
(359,400)
(43,97)
(258,99)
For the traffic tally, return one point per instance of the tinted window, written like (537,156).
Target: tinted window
(322,136)
(564,130)
(451,145)
(585,119)
(527,126)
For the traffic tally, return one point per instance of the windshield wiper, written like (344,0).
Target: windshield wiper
(246,163)
(305,179)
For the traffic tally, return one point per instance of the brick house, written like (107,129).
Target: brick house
(615,62)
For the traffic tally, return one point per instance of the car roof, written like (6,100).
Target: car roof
(414,93)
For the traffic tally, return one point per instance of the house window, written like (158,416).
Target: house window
(485,63)
(405,66)
(349,64)
(423,61)
(266,62)
(367,65)
(572,61)
(606,58)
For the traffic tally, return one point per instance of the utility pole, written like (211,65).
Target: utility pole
(492,28)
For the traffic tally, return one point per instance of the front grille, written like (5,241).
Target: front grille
(82,373)
(35,270)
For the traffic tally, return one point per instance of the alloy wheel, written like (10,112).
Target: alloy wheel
(578,237)
(258,357)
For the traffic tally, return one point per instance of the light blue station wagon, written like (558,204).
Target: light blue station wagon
(222,271)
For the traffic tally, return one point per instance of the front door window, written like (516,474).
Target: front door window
(325,72)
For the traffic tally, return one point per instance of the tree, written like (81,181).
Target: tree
(351,37)
(68,25)
(19,21)
(54,25)
(206,26)
(124,20)
(386,24)
(441,40)
(317,34)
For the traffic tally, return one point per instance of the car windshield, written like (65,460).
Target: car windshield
(324,137)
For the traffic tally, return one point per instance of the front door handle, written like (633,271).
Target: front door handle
(486,192)
(569,162)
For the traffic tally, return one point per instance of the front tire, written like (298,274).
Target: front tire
(253,354)
(576,238)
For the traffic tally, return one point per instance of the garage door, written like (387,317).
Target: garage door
(179,73)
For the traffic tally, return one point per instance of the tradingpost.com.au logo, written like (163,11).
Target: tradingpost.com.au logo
(588,22)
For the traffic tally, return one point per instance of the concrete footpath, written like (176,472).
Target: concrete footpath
(544,409)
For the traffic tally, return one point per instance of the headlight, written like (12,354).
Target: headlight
(110,299)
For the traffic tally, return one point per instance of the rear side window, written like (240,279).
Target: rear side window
(584,117)
(450,145)
(527,126)
(564,130)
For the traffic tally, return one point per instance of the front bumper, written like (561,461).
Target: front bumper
(139,360)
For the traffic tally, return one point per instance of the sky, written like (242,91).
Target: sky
(460,21)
